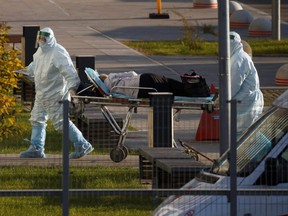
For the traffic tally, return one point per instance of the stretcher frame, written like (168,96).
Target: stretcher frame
(120,151)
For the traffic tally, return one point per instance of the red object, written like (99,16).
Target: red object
(209,126)
(205,5)
(213,89)
(259,33)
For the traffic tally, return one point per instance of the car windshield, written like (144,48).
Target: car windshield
(255,144)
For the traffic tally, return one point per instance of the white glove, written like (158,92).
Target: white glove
(76,105)
(72,92)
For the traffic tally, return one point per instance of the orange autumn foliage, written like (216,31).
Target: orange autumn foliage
(9,62)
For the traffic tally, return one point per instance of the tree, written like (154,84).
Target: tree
(9,62)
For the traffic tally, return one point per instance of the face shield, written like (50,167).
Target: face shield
(234,36)
(41,38)
(235,42)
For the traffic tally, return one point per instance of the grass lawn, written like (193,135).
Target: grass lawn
(98,177)
(80,178)
(25,177)
(176,48)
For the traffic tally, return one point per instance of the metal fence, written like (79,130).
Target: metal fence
(147,181)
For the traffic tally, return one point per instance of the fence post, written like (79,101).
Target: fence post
(233,159)
(162,119)
(65,163)
(224,74)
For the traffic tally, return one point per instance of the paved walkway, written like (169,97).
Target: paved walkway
(53,160)
(88,27)
(97,28)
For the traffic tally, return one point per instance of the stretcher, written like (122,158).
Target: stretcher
(112,98)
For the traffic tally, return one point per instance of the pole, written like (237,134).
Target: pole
(159,14)
(159,6)
(233,160)
(224,74)
(276,19)
(65,149)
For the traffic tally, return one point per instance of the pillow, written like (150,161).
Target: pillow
(94,75)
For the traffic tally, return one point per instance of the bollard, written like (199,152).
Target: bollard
(205,4)
(28,43)
(282,75)
(159,14)
(162,119)
(241,19)
(159,6)
(81,63)
(234,6)
(260,27)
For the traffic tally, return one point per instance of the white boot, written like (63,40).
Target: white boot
(33,152)
(36,149)
(82,146)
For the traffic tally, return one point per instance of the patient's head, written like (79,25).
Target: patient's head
(103,76)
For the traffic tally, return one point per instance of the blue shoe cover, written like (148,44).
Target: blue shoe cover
(32,152)
(81,151)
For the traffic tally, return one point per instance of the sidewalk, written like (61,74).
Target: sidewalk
(53,160)
(97,28)
(89,27)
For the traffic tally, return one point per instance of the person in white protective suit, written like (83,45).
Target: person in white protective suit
(56,79)
(245,86)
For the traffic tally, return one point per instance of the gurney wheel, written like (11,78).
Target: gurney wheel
(117,155)
(125,149)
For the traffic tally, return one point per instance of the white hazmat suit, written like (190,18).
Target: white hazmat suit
(245,86)
(55,80)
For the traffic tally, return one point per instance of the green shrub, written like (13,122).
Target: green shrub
(9,62)
(190,38)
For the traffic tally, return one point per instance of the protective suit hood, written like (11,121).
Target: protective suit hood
(245,85)
(235,42)
(53,70)
(50,39)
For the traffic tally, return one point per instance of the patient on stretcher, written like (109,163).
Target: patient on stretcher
(120,86)
(143,84)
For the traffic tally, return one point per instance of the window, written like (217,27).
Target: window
(257,142)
